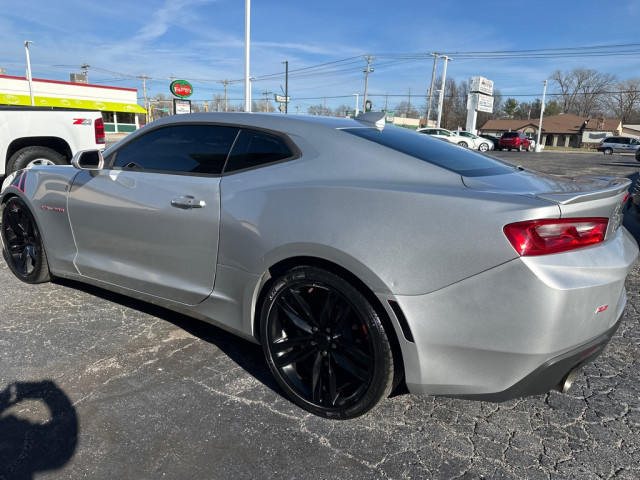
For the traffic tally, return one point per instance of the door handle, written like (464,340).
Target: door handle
(187,202)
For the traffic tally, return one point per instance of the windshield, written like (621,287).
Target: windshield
(465,162)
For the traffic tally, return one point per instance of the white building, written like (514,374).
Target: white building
(119,106)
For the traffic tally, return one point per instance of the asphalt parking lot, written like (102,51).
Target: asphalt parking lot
(94,385)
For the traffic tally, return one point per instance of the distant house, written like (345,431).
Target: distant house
(564,130)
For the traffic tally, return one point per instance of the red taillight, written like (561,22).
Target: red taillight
(542,237)
(99,129)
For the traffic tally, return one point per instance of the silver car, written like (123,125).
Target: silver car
(358,255)
(612,145)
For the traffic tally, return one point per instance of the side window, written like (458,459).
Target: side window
(253,149)
(634,141)
(180,148)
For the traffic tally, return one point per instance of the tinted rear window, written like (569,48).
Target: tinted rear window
(432,150)
(510,134)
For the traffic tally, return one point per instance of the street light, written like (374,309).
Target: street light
(538,148)
(247,49)
(29,79)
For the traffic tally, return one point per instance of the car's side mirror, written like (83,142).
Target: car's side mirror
(88,160)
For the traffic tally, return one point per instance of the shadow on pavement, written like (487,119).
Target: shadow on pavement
(29,446)
(245,354)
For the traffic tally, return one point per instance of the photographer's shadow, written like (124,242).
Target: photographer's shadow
(38,429)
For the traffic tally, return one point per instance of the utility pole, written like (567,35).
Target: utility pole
(85,68)
(441,100)
(144,93)
(286,86)
(29,79)
(266,100)
(409,106)
(433,73)
(367,71)
(226,103)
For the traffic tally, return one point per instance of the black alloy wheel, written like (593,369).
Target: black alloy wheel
(23,247)
(325,344)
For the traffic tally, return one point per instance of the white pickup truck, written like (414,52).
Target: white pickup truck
(33,135)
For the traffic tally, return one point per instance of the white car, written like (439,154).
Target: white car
(480,143)
(448,135)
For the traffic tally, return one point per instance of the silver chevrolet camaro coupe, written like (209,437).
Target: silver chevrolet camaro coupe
(358,255)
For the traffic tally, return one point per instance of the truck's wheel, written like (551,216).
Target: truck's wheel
(31,156)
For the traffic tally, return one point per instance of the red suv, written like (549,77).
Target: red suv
(517,140)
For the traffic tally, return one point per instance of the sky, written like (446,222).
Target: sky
(324,42)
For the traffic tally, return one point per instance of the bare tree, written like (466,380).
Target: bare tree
(404,108)
(341,111)
(624,102)
(581,90)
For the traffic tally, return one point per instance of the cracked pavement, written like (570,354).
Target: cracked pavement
(94,385)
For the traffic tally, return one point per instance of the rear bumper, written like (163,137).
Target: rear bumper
(519,328)
(552,373)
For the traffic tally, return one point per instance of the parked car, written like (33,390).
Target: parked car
(347,248)
(514,140)
(449,136)
(38,135)
(493,139)
(612,145)
(480,143)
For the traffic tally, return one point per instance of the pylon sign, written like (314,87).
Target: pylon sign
(480,99)
(181,88)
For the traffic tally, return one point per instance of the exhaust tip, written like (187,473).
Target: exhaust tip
(565,385)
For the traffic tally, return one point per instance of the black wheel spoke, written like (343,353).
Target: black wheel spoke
(341,316)
(14,223)
(304,324)
(348,366)
(316,379)
(333,388)
(304,307)
(293,357)
(285,344)
(328,308)
(355,354)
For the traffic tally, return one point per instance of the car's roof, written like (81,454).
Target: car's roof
(262,120)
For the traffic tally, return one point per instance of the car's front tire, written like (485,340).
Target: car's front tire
(23,247)
(325,344)
(608,151)
(463,144)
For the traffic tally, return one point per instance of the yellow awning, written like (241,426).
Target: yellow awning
(9,99)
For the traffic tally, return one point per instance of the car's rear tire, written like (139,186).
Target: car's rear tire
(325,344)
(23,247)
(608,151)
(463,144)
(30,156)
(483,147)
